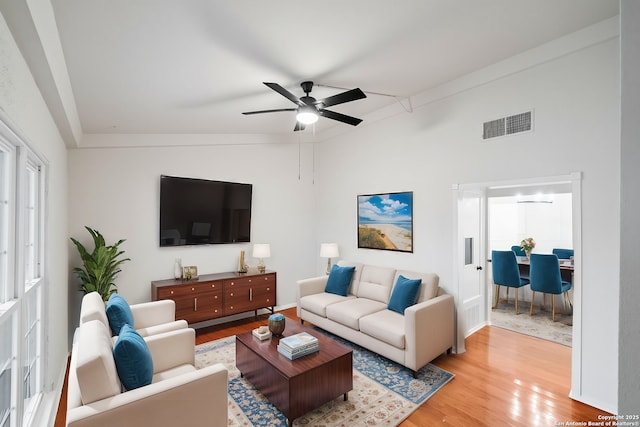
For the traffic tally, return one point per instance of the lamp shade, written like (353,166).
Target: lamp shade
(329,250)
(261,250)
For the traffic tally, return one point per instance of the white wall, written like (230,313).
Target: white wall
(575,98)
(22,102)
(550,224)
(117,192)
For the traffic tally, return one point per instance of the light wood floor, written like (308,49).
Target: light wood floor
(503,379)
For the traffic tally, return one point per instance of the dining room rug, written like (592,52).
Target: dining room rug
(384,392)
(538,325)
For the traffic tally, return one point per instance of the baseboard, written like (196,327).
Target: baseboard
(605,406)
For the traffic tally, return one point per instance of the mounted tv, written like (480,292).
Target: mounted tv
(201,212)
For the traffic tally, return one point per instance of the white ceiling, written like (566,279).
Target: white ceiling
(193,66)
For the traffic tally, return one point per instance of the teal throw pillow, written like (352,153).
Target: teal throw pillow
(339,280)
(405,294)
(119,313)
(133,359)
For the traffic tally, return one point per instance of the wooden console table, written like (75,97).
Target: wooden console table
(211,296)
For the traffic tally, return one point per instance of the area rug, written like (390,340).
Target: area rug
(539,325)
(384,393)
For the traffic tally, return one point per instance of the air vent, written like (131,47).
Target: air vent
(507,125)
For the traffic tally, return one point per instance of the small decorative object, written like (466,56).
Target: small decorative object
(527,245)
(190,272)
(262,333)
(385,221)
(277,324)
(242,267)
(177,268)
(329,250)
(261,251)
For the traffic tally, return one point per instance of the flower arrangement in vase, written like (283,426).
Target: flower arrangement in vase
(527,245)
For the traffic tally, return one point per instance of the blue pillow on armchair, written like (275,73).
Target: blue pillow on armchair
(405,294)
(339,280)
(133,359)
(118,313)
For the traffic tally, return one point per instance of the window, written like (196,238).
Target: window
(6,370)
(22,289)
(6,179)
(32,195)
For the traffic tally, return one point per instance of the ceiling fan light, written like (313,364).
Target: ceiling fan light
(307,115)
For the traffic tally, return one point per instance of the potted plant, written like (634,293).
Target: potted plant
(100,267)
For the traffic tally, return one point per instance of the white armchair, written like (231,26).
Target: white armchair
(179,393)
(150,318)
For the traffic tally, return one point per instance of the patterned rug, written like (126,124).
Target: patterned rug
(384,393)
(539,325)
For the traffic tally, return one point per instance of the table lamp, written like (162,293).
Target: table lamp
(261,251)
(329,250)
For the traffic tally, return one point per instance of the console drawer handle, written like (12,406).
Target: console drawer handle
(250,294)
(195,304)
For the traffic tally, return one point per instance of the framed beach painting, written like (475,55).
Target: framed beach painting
(385,221)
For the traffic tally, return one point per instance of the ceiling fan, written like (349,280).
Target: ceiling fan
(309,108)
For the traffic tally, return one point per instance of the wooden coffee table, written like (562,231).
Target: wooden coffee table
(298,386)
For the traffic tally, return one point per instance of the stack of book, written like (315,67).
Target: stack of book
(298,345)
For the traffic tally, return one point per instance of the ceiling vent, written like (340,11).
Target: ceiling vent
(508,125)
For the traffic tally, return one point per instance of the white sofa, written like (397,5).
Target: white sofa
(179,393)
(150,318)
(425,331)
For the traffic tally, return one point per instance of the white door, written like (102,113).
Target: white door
(471,265)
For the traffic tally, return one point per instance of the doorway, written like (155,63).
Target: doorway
(544,214)
(462,192)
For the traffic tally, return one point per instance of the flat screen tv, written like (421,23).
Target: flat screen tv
(200,212)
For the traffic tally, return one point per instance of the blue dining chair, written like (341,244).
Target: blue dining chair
(504,267)
(544,277)
(518,251)
(563,253)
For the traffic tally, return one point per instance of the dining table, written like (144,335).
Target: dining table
(566,268)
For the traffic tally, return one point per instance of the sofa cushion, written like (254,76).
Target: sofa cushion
(119,313)
(349,312)
(376,283)
(339,280)
(133,359)
(355,280)
(95,368)
(172,373)
(385,325)
(404,294)
(429,288)
(92,308)
(317,303)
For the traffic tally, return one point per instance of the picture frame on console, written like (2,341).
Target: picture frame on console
(385,221)
(190,272)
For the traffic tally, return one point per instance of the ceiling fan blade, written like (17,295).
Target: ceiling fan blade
(269,111)
(340,117)
(341,98)
(299,126)
(282,91)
